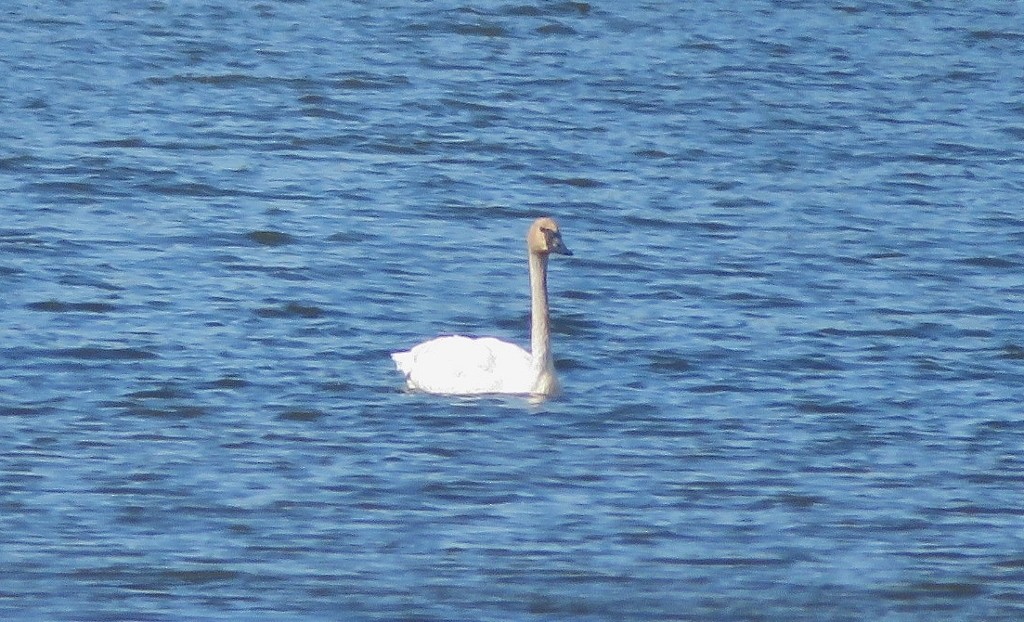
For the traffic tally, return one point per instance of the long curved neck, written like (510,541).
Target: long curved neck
(540,334)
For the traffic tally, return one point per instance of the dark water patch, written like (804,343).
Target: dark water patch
(964,75)
(888,254)
(650,221)
(555,29)
(97,353)
(269,238)
(665,294)
(579,8)
(166,392)
(798,501)
(815,362)
(1013,564)
(523,10)
(1012,352)
(366,81)
(715,388)
(728,562)
(337,386)
(65,189)
(923,330)
(228,383)
(701,44)
(546,8)
(987,35)
(401,146)
(317,100)
(35,103)
(56,306)
(303,415)
(24,410)
(827,407)
(351,237)
(933,594)
(277,272)
(989,262)
(564,364)
(17,163)
(7,271)
(196,577)
(573,182)
(317,112)
(169,411)
(737,271)
(489,30)
(132,142)
(291,310)
(651,154)
(573,324)
(471,105)
(191,190)
(667,361)
(976,511)
(231,81)
(744,202)
(632,410)
(1013,131)
(713,226)
(750,300)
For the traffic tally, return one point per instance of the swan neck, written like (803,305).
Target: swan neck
(540,334)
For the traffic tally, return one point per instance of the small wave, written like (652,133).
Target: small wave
(132,142)
(57,306)
(228,382)
(269,238)
(300,415)
(989,262)
(823,407)
(556,29)
(480,29)
(365,81)
(291,310)
(95,353)
(170,412)
(997,35)
(575,182)
(667,361)
(1012,352)
(21,410)
(167,392)
(715,388)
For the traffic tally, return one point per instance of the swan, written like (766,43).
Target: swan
(457,365)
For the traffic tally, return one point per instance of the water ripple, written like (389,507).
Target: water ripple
(788,339)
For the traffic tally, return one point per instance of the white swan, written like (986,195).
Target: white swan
(457,365)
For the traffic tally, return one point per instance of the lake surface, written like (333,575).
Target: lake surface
(791,338)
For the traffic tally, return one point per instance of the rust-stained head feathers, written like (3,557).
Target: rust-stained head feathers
(544,238)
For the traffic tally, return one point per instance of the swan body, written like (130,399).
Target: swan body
(458,365)
(463,365)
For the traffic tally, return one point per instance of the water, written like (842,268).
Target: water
(789,337)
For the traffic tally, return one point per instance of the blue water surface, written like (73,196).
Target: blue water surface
(789,339)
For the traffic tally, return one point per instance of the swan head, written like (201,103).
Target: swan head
(544,238)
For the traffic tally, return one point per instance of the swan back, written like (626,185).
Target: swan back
(458,365)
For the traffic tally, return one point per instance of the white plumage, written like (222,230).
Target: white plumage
(458,365)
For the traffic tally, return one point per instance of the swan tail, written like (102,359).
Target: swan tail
(405,362)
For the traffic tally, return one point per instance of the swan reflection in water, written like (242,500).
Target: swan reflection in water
(457,365)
